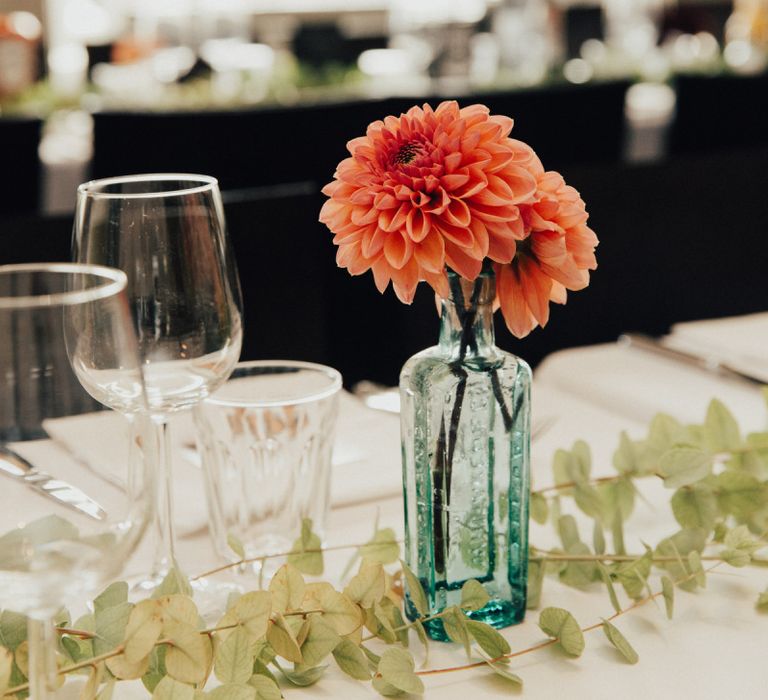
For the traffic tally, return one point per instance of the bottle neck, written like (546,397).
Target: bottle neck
(466,322)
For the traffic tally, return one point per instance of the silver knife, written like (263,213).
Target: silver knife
(709,364)
(14,465)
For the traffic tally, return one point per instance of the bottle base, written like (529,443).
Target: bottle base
(498,614)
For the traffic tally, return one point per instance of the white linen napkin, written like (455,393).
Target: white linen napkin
(366,457)
(739,341)
(637,384)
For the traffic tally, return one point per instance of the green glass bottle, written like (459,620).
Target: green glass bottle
(465,426)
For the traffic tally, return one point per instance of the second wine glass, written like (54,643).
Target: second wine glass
(167,232)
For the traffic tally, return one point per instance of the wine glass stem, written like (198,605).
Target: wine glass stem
(165,553)
(41,636)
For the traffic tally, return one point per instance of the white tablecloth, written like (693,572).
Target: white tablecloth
(715,647)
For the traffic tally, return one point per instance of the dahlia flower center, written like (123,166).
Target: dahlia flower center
(407,153)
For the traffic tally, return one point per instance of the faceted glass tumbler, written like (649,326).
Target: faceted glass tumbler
(465,422)
(265,438)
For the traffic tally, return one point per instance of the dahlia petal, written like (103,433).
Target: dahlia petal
(480,233)
(384,200)
(513,307)
(405,280)
(438,282)
(461,237)
(438,203)
(330,209)
(347,255)
(417,224)
(536,286)
(501,157)
(501,250)
(519,181)
(497,214)
(430,253)
(549,247)
(393,219)
(504,122)
(397,249)
(455,180)
(372,241)
(381,274)
(477,182)
(452,162)
(353,236)
(558,294)
(461,263)
(457,213)
(362,216)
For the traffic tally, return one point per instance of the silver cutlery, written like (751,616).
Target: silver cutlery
(706,363)
(13,465)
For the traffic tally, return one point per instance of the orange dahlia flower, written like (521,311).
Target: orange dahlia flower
(556,255)
(429,189)
(449,188)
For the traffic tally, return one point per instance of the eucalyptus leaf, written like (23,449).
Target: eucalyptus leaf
(170,689)
(368,586)
(281,638)
(473,595)
(697,570)
(598,538)
(606,576)
(252,611)
(721,431)
(684,465)
(156,671)
(234,658)
(421,633)
(386,689)
(762,602)
(189,655)
(266,688)
(13,629)
(339,611)
(287,588)
(6,666)
(145,624)
(352,660)
(382,548)
(633,575)
(535,584)
(397,668)
(115,594)
(501,670)
(539,508)
(740,494)
(455,625)
(569,531)
(588,500)
(175,581)
(561,625)
(304,676)
(110,627)
(490,641)
(321,640)
(120,667)
(236,544)
(695,506)
(306,554)
(233,691)
(620,642)
(415,590)
(668,591)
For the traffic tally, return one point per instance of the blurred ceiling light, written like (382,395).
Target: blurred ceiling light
(168,65)
(381,62)
(234,55)
(578,71)
(87,22)
(594,51)
(67,69)
(422,13)
(25,24)
(743,57)
(649,103)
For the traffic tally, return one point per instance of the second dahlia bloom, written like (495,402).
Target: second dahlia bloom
(430,189)
(556,254)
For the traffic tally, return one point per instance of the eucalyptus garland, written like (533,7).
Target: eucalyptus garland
(289,631)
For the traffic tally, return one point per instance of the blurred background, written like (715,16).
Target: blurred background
(655,110)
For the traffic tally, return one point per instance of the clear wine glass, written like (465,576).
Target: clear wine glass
(65,527)
(167,232)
